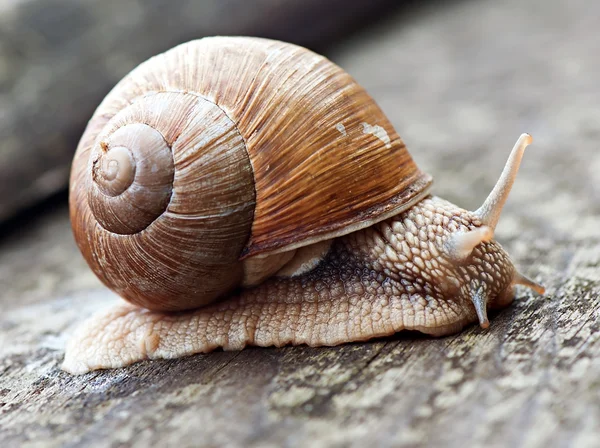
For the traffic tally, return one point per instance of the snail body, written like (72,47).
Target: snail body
(256,189)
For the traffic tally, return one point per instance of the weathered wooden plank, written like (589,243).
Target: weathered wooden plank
(460,83)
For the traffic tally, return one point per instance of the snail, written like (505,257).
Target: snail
(244,191)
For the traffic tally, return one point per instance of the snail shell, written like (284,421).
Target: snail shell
(226,150)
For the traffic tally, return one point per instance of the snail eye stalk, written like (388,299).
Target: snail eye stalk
(489,212)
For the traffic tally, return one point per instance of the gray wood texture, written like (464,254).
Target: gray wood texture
(59,58)
(460,82)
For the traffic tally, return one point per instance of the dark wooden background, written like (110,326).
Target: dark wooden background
(460,81)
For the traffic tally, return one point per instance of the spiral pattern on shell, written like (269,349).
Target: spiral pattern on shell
(132,179)
(226,148)
(164,172)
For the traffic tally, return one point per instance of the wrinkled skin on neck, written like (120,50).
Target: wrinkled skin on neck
(395,275)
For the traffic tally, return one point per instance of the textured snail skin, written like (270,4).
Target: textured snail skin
(374,282)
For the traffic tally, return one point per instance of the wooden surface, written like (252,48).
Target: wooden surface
(460,83)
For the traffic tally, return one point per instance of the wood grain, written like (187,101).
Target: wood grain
(463,97)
